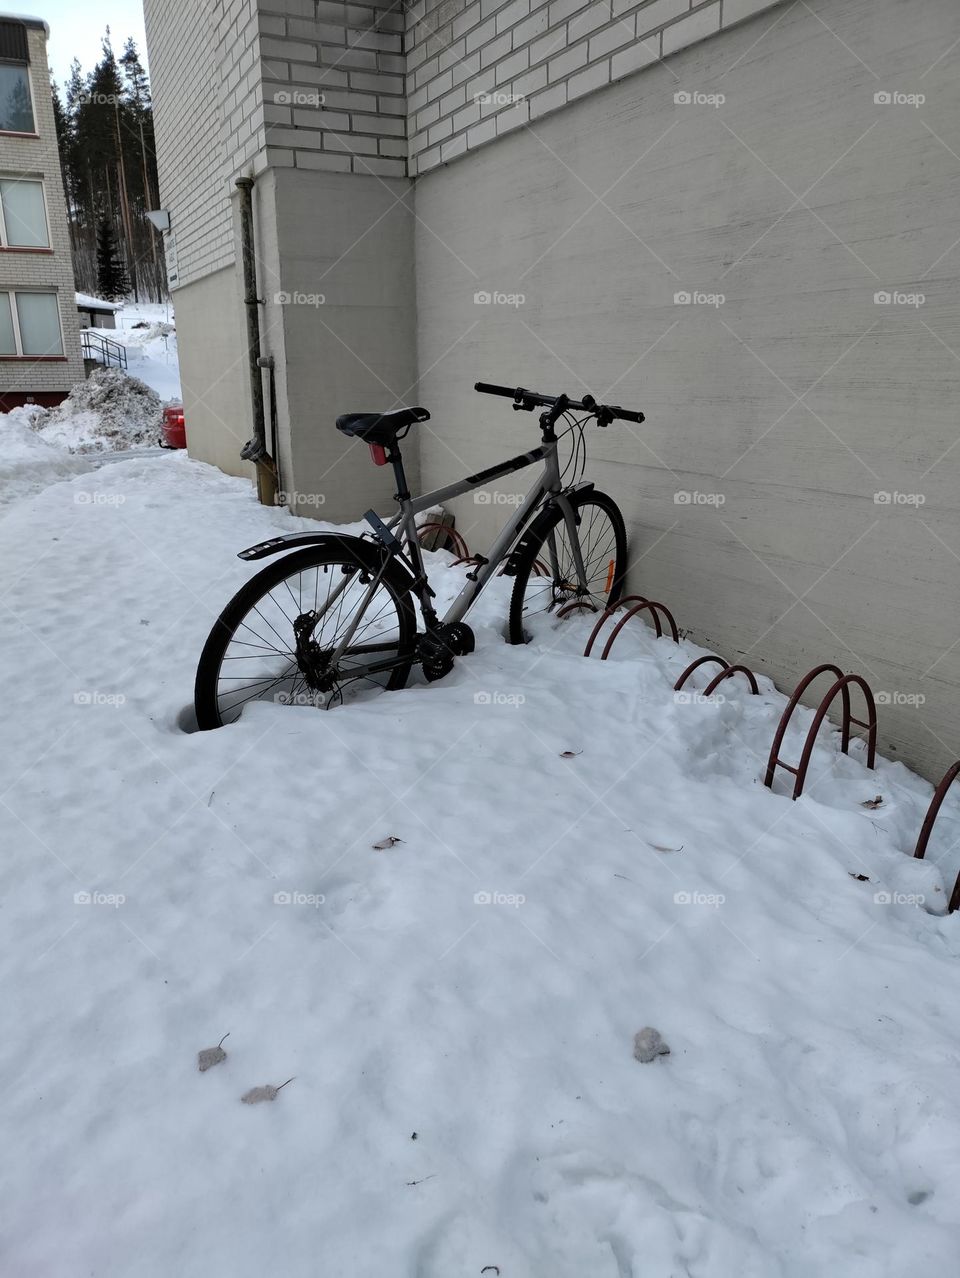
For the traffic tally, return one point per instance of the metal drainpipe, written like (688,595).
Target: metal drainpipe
(255,449)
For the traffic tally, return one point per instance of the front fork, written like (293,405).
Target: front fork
(571,521)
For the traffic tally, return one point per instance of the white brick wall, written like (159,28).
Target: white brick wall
(205,69)
(39,157)
(507,62)
(333,86)
(372,88)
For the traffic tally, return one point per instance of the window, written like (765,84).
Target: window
(30,324)
(23,214)
(16,104)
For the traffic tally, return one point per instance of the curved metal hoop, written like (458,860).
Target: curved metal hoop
(606,615)
(694,665)
(727,673)
(459,545)
(929,821)
(575,606)
(655,609)
(842,686)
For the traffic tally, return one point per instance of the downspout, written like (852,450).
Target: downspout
(255,449)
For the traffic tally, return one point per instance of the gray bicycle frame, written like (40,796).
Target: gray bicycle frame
(548,483)
(405,520)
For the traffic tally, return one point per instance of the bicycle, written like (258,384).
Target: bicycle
(337,614)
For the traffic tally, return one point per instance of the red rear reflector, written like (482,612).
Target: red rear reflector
(378,453)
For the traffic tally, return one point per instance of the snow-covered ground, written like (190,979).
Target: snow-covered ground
(151,350)
(457,1011)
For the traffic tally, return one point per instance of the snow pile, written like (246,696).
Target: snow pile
(450,916)
(28,463)
(108,411)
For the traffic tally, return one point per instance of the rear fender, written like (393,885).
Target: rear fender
(368,553)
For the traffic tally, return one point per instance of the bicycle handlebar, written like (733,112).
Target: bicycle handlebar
(527,399)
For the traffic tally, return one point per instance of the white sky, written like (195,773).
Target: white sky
(77,27)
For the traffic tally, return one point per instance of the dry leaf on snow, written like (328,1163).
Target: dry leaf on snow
(211,1056)
(265,1093)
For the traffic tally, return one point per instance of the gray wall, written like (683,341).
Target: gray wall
(336,271)
(798,199)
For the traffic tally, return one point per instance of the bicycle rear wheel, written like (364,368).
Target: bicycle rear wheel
(275,640)
(602,536)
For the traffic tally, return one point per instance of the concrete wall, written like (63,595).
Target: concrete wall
(214,373)
(38,157)
(794,401)
(339,321)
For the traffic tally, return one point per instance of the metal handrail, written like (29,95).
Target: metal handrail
(103,349)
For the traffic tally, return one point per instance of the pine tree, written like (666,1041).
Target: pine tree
(108,152)
(113,283)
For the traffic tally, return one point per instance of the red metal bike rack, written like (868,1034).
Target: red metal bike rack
(929,821)
(574,606)
(607,614)
(449,532)
(842,686)
(655,608)
(727,674)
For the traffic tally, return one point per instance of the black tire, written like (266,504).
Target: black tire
(269,629)
(603,542)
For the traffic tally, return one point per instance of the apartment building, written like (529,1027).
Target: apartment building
(39,327)
(736,215)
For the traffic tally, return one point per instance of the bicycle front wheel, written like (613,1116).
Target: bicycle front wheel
(547,579)
(281,637)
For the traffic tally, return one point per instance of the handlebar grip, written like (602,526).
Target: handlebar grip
(626,415)
(485,388)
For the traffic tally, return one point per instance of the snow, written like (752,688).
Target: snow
(88,300)
(109,410)
(28,463)
(477,986)
(151,350)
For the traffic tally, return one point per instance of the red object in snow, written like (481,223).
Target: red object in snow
(173,431)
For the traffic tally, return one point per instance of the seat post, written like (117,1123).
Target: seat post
(396,460)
